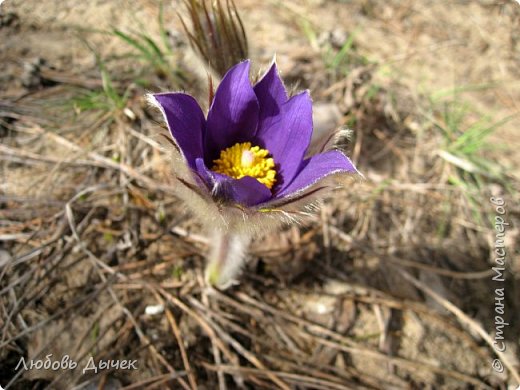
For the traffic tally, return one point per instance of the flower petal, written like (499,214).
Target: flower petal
(288,138)
(246,191)
(317,168)
(233,115)
(271,95)
(185,121)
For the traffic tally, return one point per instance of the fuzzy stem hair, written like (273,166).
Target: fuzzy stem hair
(227,257)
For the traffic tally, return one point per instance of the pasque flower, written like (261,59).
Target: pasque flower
(245,165)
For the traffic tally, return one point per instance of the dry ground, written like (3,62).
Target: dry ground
(387,287)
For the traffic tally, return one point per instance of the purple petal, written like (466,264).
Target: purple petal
(316,168)
(246,191)
(185,121)
(271,95)
(204,173)
(233,115)
(288,138)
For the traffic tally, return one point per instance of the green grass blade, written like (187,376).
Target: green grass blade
(345,49)
(134,43)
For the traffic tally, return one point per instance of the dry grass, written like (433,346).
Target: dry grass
(389,286)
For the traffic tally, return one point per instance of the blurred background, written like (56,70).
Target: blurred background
(389,286)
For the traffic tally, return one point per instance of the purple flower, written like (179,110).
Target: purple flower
(251,149)
(245,168)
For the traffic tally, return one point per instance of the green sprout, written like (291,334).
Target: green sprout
(158,53)
(463,150)
(105,99)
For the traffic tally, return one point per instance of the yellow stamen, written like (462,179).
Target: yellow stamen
(242,160)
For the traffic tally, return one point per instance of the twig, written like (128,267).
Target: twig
(463,318)
(184,356)
(297,379)
(216,352)
(347,345)
(240,349)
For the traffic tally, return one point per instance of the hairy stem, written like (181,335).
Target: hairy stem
(227,256)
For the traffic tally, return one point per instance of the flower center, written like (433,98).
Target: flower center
(242,159)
